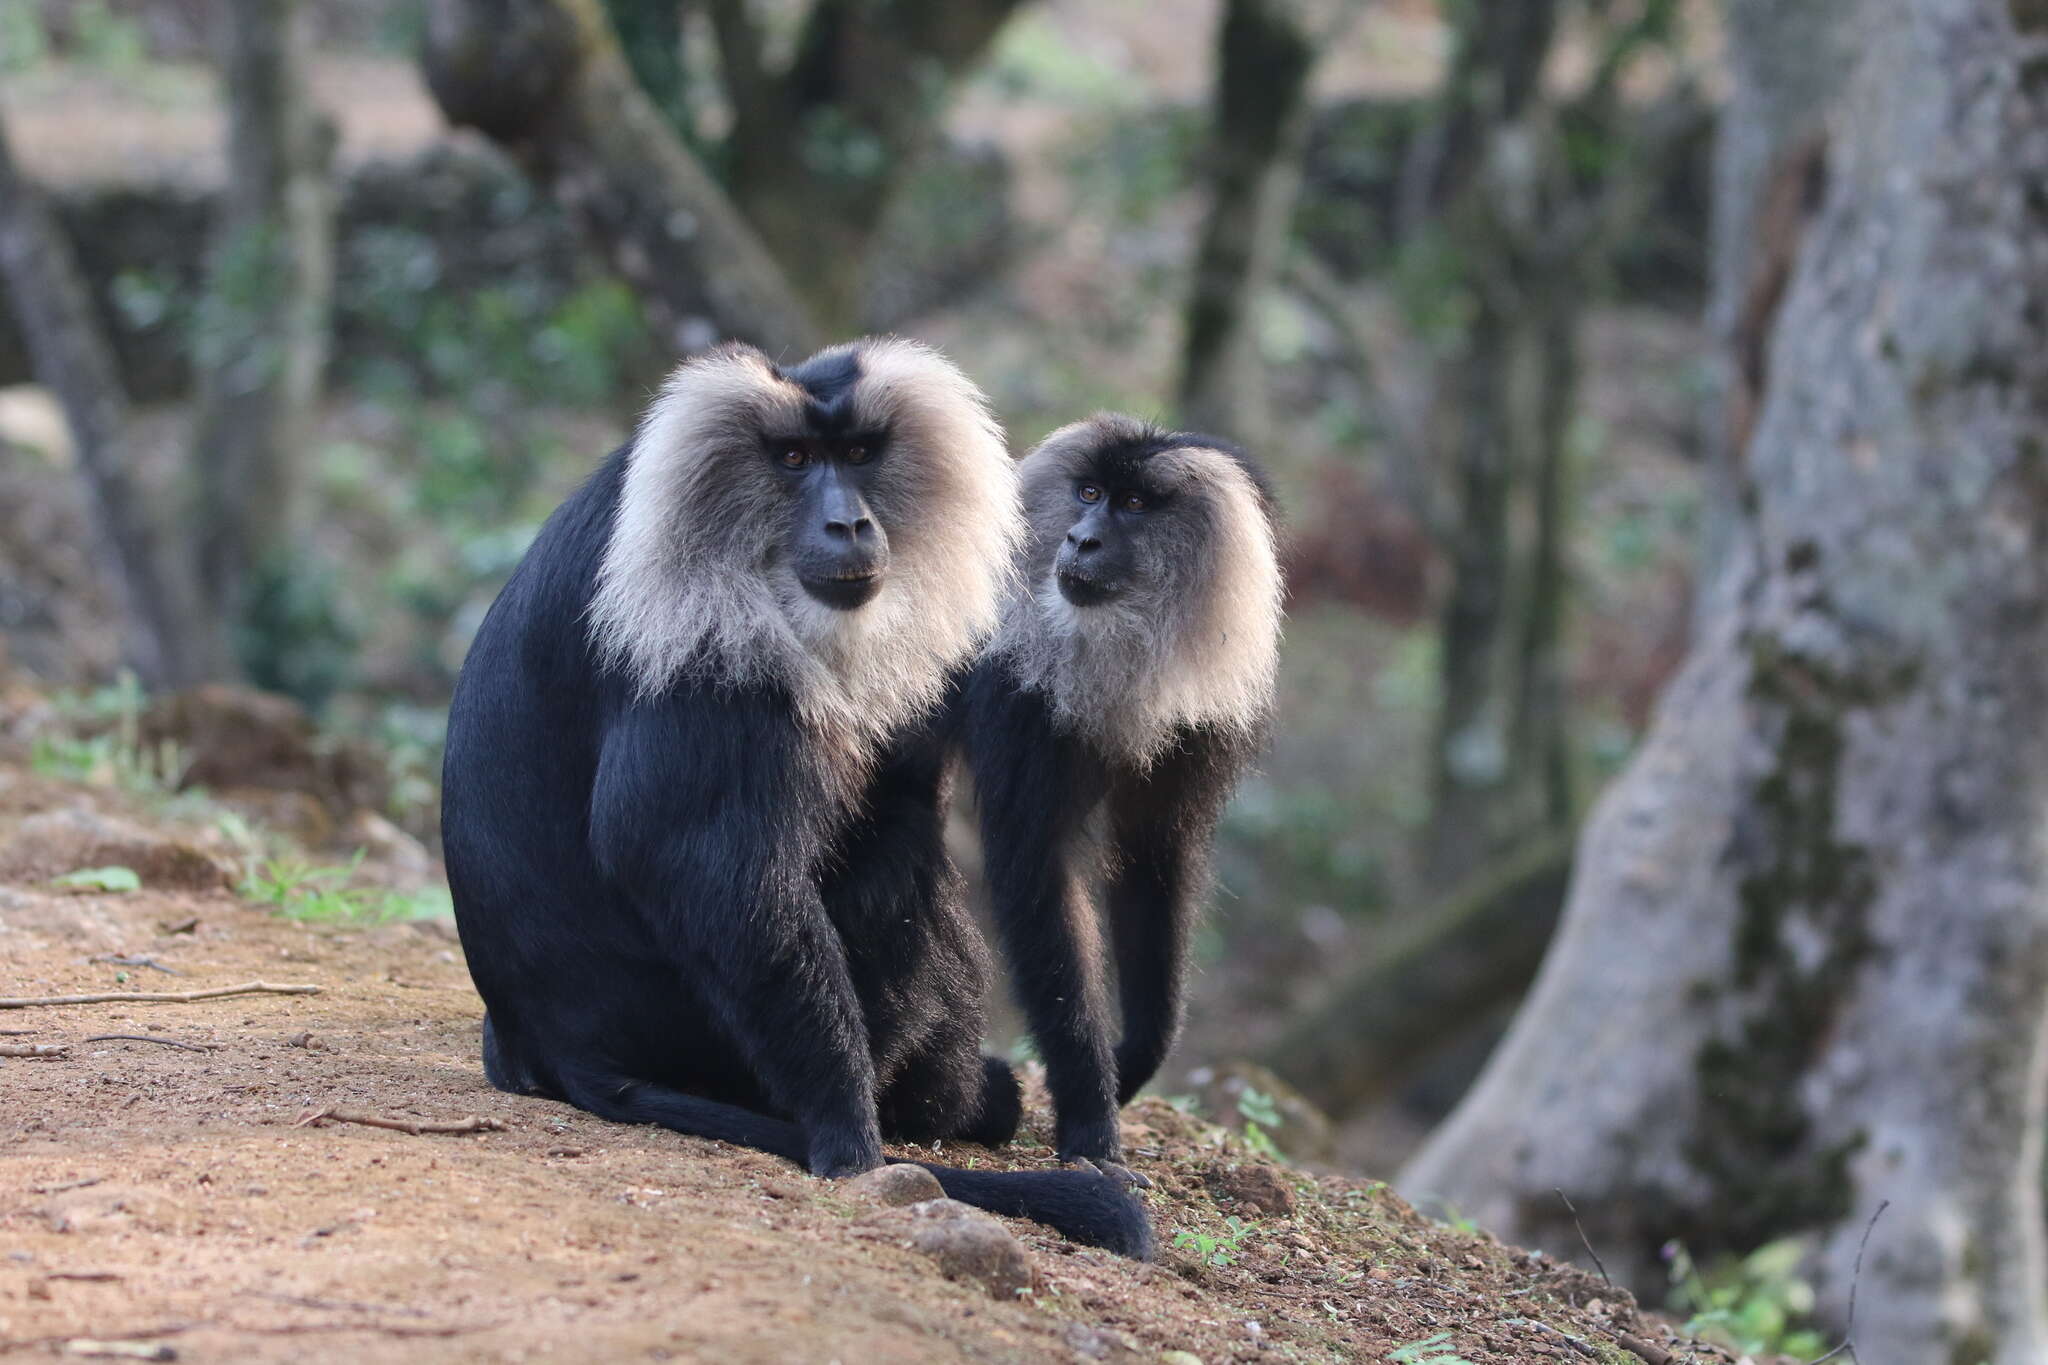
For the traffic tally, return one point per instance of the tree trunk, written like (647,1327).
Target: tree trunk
(265,322)
(73,360)
(1804,964)
(1264,53)
(1788,64)
(545,78)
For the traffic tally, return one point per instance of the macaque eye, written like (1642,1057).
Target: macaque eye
(1132,502)
(857,454)
(1088,492)
(793,458)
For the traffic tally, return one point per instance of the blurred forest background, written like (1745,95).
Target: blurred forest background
(312,312)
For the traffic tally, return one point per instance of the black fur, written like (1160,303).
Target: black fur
(672,919)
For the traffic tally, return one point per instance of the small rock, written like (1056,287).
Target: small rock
(897,1187)
(1179,1358)
(970,1245)
(1258,1187)
(1094,1343)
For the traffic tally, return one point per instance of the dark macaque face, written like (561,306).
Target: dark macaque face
(837,543)
(1099,561)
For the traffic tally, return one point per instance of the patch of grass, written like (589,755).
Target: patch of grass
(304,891)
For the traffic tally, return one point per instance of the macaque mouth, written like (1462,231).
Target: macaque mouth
(1083,591)
(846,589)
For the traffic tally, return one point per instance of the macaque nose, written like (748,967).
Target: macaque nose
(845,514)
(1082,544)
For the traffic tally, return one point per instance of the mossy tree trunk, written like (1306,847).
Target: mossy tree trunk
(1803,967)
(264,325)
(1788,65)
(1265,51)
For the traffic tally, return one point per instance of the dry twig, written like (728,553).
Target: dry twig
(1856,1283)
(145,1038)
(139,960)
(472,1124)
(1584,1240)
(1647,1352)
(22,1002)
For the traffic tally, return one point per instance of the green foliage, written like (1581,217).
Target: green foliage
(1312,840)
(1033,60)
(487,345)
(1215,1249)
(116,879)
(146,299)
(1428,1351)
(22,42)
(1757,1304)
(1260,1113)
(102,38)
(835,147)
(294,635)
(303,891)
(102,744)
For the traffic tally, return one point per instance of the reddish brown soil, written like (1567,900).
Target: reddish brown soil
(156,1194)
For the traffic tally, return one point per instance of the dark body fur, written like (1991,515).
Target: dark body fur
(1065,805)
(676,915)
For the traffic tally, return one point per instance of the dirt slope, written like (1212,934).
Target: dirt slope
(151,1194)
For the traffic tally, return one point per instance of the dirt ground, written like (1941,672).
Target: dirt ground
(160,1200)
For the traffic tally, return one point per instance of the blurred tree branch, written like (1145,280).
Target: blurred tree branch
(819,149)
(1265,50)
(546,79)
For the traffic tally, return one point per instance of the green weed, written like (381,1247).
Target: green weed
(1428,1351)
(1213,1248)
(115,879)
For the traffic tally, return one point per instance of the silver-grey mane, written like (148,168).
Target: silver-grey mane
(1196,643)
(692,588)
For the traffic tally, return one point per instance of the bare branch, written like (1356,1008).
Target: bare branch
(22,1002)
